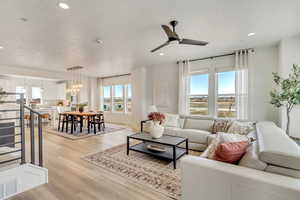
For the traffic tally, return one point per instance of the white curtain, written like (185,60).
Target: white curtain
(183,87)
(100,89)
(242,83)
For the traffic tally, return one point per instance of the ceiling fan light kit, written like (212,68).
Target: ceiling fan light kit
(174,38)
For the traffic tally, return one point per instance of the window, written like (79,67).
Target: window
(226,101)
(20,89)
(36,95)
(129,98)
(107,98)
(212,93)
(118,98)
(198,95)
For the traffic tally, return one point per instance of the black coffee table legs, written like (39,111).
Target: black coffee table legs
(127,145)
(172,153)
(174,157)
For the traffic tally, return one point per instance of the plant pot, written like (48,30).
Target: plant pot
(80,109)
(156,130)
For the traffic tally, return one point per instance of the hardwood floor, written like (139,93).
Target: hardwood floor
(71,178)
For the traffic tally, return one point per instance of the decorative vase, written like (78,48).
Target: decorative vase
(156,130)
(81,109)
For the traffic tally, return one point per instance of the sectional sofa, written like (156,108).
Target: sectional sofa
(270,170)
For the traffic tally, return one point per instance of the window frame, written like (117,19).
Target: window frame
(112,95)
(126,97)
(202,72)
(41,94)
(217,88)
(212,88)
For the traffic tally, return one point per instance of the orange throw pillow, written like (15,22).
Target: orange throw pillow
(230,152)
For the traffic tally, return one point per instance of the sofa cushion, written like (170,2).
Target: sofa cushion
(283,171)
(195,136)
(172,131)
(276,147)
(200,124)
(250,159)
(171,120)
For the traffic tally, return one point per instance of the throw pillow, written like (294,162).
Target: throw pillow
(239,127)
(220,125)
(230,152)
(171,120)
(224,138)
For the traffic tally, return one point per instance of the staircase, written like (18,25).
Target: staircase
(17,172)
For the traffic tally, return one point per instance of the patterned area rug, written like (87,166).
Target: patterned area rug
(141,168)
(77,135)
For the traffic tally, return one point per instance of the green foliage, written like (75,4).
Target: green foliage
(287,92)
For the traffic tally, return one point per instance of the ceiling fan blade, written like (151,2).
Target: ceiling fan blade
(169,33)
(193,42)
(161,46)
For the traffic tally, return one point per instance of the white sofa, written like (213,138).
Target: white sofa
(258,176)
(195,129)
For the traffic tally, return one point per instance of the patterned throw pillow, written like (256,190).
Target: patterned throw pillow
(242,128)
(220,125)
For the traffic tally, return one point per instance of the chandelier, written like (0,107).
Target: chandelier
(75,84)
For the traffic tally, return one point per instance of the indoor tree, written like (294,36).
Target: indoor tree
(287,92)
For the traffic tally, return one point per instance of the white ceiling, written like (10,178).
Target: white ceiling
(55,39)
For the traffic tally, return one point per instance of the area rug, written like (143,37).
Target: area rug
(77,135)
(141,168)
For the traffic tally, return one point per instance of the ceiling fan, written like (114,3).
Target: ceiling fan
(173,37)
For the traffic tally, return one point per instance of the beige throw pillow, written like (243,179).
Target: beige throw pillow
(243,128)
(171,120)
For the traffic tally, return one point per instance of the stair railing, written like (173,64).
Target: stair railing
(22,133)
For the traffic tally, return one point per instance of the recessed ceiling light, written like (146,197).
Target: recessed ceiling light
(99,41)
(23,19)
(161,54)
(251,34)
(1,47)
(63,5)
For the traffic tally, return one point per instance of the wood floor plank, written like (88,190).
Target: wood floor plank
(71,178)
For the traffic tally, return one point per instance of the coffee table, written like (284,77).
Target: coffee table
(173,151)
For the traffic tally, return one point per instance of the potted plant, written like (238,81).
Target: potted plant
(156,129)
(287,93)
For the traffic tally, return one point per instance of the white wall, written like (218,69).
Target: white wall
(263,63)
(164,84)
(289,54)
(139,81)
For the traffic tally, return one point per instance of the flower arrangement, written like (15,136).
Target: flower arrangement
(157,116)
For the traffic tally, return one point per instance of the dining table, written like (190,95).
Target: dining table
(81,115)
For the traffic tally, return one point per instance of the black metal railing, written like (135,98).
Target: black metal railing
(9,137)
